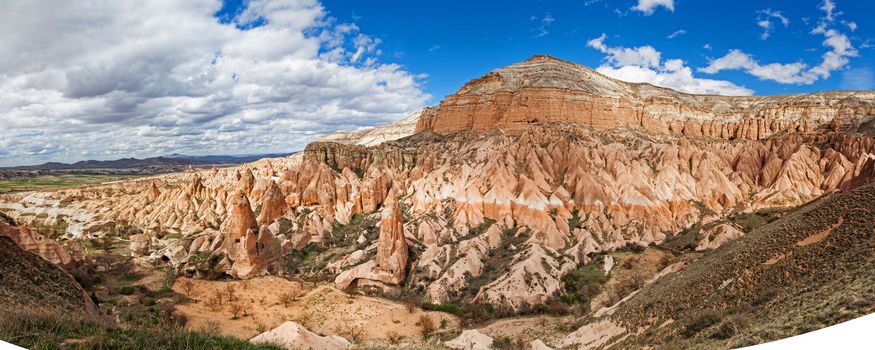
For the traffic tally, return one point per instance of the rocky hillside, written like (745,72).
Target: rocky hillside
(808,270)
(32,283)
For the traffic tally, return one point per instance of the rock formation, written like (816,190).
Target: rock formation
(377,135)
(470,339)
(546,89)
(293,336)
(140,244)
(38,244)
(256,252)
(390,264)
(512,183)
(392,247)
(240,222)
(273,204)
(714,237)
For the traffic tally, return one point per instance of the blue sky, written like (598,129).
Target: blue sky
(106,79)
(454,41)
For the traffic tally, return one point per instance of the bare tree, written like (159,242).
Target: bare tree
(235,309)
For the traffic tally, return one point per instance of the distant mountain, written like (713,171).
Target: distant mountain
(154,165)
(226,159)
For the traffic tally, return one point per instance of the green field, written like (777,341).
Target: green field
(53,182)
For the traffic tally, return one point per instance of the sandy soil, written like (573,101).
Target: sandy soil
(323,309)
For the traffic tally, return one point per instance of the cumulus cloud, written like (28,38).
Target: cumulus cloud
(648,7)
(106,79)
(765,18)
(840,51)
(644,64)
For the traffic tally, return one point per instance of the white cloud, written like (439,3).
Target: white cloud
(107,79)
(828,8)
(764,21)
(544,25)
(676,34)
(647,7)
(840,51)
(851,25)
(644,64)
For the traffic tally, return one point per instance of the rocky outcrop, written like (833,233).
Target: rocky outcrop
(392,247)
(546,89)
(255,254)
(714,237)
(273,204)
(245,181)
(240,222)
(140,244)
(470,339)
(383,133)
(38,244)
(390,264)
(293,336)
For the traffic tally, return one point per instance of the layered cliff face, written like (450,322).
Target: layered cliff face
(519,179)
(379,134)
(546,89)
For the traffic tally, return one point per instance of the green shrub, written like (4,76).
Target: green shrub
(448,308)
(583,284)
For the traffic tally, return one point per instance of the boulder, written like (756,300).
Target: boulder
(140,244)
(470,339)
(293,336)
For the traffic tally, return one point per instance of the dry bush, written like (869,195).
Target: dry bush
(410,304)
(235,310)
(613,295)
(169,278)
(428,326)
(665,261)
(169,318)
(260,328)
(231,289)
(286,299)
(638,280)
(211,327)
(214,302)
(393,337)
(187,286)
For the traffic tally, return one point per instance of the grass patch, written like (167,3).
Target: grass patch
(43,330)
(52,182)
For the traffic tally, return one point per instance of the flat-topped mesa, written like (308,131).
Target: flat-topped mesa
(546,89)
